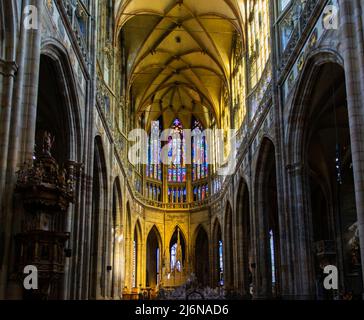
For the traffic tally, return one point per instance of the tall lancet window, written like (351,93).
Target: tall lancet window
(199,152)
(177,251)
(154,167)
(221,263)
(176,153)
(272,256)
(135,255)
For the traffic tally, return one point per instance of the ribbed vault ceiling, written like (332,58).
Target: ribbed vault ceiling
(178,55)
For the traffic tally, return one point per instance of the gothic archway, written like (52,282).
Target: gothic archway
(154,258)
(137,257)
(326,149)
(218,256)
(56,113)
(99,224)
(321,177)
(229,248)
(177,250)
(268,271)
(201,255)
(129,233)
(58,109)
(244,243)
(117,259)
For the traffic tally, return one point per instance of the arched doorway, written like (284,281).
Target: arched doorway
(229,249)
(154,258)
(117,259)
(218,256)
(202,260)
(177,250)
(136,257)
(99,220)
(50,111)
(331,195)
(267,272)
(129,234)
(56,122)
(244,244)
(57,107)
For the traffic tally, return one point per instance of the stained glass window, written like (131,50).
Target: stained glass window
(157,256)
(199,152)
(154,167)
(177,246)
(200,192)
(175,264)
(221,263)
(272,254)
(176,152)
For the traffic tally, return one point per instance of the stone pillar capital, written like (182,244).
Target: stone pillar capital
(8,68)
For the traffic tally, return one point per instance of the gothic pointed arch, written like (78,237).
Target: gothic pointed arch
(321,161)
(60,115)
(229,247)
(117,240)
(137,258)
(178,250)
(218,268)
(99,223)
(154,258)
(267,228)
(201,256)
(244,239)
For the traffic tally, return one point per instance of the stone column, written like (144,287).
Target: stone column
(8,69)
(260,250)
(303,264)
(7,78)
(212,260)
(22,130)
(352,38)
(262,271)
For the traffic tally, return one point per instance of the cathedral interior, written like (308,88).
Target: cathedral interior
(257,209)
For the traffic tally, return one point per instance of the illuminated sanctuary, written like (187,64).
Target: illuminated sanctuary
(278,84)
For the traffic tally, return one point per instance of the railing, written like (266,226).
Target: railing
(70,8)
(174,206)
(80,38)
(310,7)
(264,103)
(258,93)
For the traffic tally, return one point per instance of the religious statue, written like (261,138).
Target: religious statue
(48,141)
(353,244)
